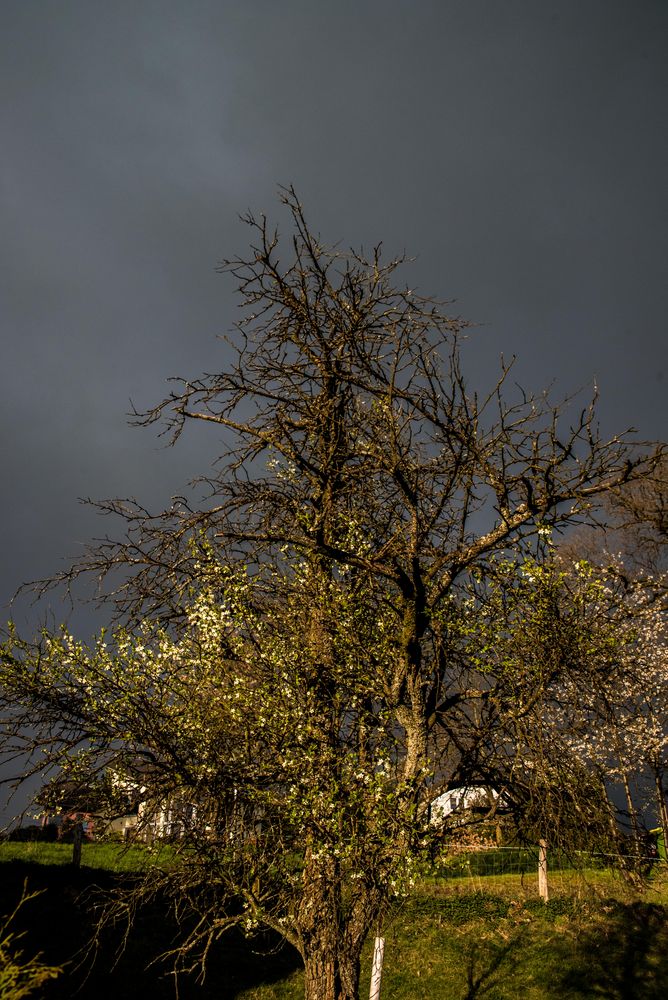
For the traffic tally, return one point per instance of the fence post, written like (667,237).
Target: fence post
(543,891)
(76,845)
(377,968)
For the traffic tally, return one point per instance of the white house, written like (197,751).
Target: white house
(458,800)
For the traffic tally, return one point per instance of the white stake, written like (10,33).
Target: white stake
(542,871)
(377,968)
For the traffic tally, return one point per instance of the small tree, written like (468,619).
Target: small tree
(291,674)
(20,976)
(548,646)
(626,551)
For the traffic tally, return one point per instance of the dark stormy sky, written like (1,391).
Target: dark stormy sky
(517,148)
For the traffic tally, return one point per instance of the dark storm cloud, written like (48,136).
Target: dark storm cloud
(519,149)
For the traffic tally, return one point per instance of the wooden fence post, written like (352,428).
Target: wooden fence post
(543,891)
(377,968)
(76,845)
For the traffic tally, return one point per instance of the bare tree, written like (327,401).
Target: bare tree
(630,538)
(290,662)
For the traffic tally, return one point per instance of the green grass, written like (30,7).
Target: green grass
(111,856)
(598,937)
(457,938)
(581,884)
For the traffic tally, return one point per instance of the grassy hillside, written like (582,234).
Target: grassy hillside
(501,947)
(109,856)
(455,939)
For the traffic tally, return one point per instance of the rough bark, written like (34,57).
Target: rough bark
(331,938)
(331,972)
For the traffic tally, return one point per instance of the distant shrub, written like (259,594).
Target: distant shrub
(32,834)
(460,909)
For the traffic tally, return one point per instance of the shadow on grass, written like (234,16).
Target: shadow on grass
(486,968)
(57,924)
(622,955)
(618,953)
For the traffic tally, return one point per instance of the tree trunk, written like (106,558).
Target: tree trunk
(632,811)
(331,935)
(610,812)
(331,973)
(661,803)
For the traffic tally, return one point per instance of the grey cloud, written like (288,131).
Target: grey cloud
(517,149)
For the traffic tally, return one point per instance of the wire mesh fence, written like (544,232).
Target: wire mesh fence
(518,869)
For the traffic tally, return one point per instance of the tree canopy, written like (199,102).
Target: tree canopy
(300,661)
